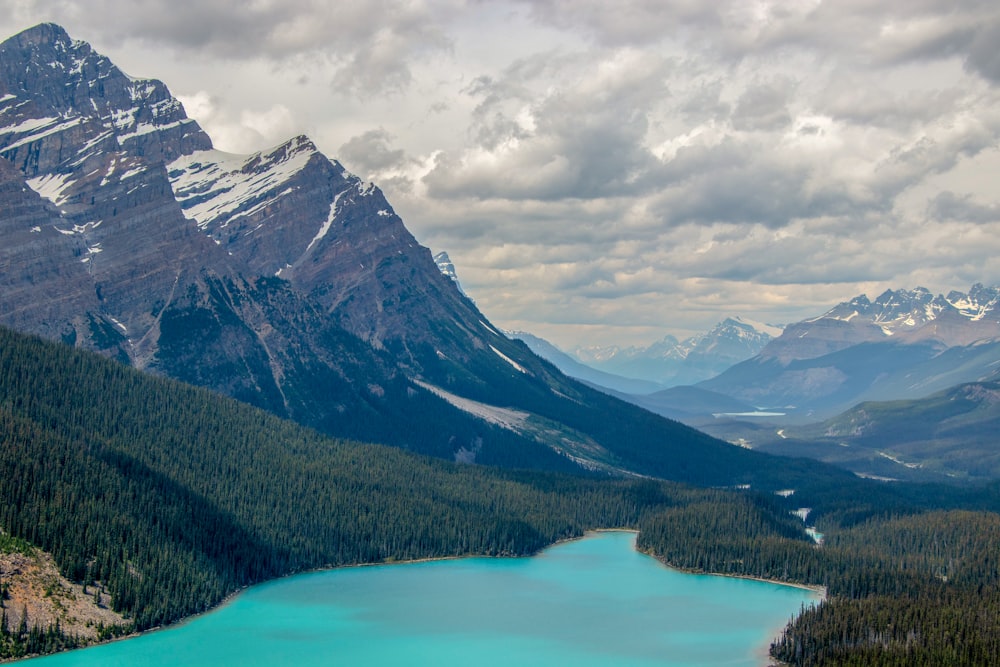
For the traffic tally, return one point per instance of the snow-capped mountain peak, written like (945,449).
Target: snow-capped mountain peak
(905,315)
(898,311)
(445,265)
(672,362)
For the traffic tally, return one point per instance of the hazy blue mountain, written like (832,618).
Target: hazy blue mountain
(667,362)
(576,369)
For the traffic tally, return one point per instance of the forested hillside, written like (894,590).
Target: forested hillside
(168,498)
(905,586)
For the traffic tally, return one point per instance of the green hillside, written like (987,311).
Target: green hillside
(167,498)
(953,434)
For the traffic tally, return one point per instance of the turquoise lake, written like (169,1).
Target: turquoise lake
(594,601)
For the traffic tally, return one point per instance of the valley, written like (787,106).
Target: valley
(220,369)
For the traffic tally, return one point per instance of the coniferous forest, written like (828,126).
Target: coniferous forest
(173,497)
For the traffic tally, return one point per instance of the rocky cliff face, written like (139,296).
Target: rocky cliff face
(101,254)
(276,278)
(87,139)
(293,213)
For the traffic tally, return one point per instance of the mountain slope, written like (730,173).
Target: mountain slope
(903,345)
(281,280)
(951,433)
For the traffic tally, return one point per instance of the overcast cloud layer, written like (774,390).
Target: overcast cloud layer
(606,175)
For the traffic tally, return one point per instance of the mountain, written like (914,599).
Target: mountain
(911,316)
(446,267)
(280,279)
(576,369)
(951,433)
(903,345)
(670,362)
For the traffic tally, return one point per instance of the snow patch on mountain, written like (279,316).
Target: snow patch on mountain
(327,224)
(896,311)
(212,184)
(52,186)
(30,131)
(518,367)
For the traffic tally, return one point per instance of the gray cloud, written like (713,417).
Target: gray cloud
(580,137)
(617,172)
(984,56)
(370,152)
(949,206)
(369,45)
(631,23)
(764,107)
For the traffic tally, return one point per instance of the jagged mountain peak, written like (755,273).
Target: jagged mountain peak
(447,268)
(277,278)
(902,315)
(56,84)
(46,37)
(980,303)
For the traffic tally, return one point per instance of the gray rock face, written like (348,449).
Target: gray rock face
(68,81)
(99,252)
(45,285)
(87,138)
(277,278)
(293,213)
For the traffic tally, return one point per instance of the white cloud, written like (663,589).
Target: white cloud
(605,174)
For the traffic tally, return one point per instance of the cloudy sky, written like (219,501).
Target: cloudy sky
(612,172)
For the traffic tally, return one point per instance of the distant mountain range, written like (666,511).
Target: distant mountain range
(575,368)
(896,388)
(280,279)
(666,363)
(670,362)
(901,387)
(902,345)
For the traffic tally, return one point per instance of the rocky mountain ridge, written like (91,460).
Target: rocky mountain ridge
(277,278)
(909,316)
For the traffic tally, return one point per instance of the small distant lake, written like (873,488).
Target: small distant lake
(755,413)
(589,602)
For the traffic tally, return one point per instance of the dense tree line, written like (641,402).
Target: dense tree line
(31,639)
(921,588)
(173,497)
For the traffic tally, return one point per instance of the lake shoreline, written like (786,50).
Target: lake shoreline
(230,597)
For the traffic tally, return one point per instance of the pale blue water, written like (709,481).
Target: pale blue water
(594,601)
